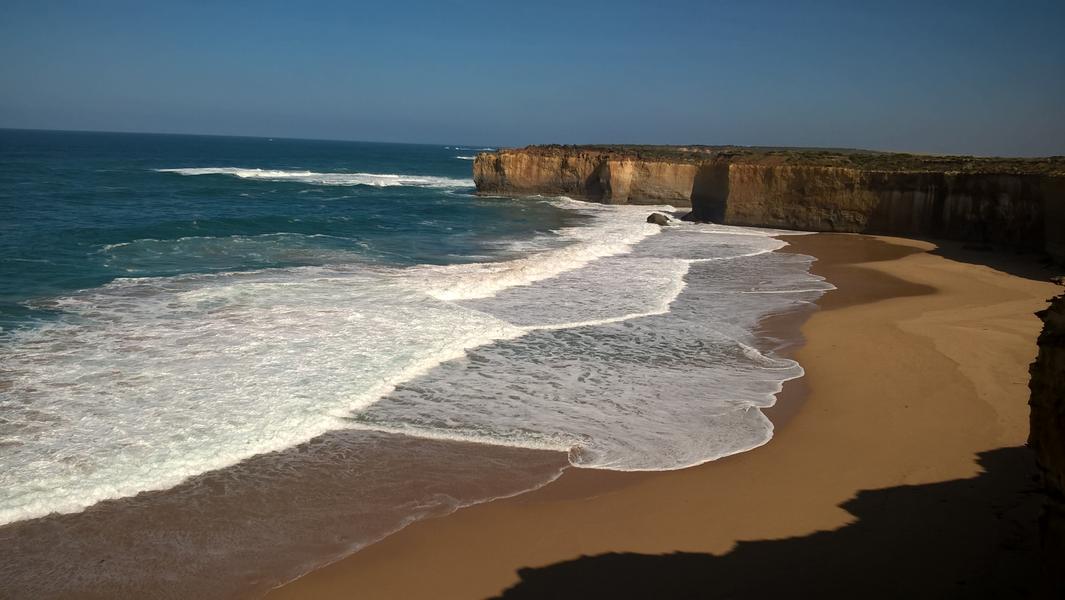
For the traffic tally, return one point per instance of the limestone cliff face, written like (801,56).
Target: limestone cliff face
(1004,209)
(1008,207)
(585,174)
(1053,192)
(1047,439)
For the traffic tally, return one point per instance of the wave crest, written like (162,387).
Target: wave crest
(338,179)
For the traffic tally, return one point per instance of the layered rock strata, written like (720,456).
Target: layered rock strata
(1017,203)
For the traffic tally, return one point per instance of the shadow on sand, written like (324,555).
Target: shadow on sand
(1031,265)
(966,538)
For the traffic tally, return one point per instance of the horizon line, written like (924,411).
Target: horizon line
(503,146)
(252,137)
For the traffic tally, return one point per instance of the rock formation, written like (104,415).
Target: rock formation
(1013,203)
(1047,439)
(1019,203)
(660,219)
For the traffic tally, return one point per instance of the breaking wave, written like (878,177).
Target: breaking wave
(627,345)
(339,179)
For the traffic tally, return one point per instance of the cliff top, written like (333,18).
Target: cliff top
(868,160)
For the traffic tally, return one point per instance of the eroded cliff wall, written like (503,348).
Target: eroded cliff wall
(1011,208)
(992,208)
(585,174)
(1047,439)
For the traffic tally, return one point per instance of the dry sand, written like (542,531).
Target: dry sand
(901,474)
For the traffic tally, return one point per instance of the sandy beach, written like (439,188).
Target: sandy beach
(901,454)
(461,301)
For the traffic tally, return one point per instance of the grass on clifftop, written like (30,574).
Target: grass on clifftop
(868,160)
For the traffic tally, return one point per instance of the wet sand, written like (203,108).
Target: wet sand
(900,472)
(245,529)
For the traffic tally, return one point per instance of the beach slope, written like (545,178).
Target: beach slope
(902,473)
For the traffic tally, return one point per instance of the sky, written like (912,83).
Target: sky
(974,77)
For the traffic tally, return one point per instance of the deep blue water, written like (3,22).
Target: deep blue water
(78,209)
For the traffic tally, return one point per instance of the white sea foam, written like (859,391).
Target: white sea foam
(629,345)
(466,157)
(153,380)
(340,179)
(615,230)
(667,387)
(229,252)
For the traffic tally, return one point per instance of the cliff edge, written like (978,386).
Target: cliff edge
(1047,439)
(1017,203)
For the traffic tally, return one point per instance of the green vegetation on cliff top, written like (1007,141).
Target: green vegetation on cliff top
(867,160)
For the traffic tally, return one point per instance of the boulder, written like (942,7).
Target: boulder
(659,219)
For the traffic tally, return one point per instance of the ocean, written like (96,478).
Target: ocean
(247,357)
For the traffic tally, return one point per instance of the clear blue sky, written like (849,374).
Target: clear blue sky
(983,77)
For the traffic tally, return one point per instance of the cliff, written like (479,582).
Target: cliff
(1018,203)
(1047,439)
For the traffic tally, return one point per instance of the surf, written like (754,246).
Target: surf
(198,372)
(329,179)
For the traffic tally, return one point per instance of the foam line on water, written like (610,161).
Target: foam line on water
(337,179)
(195,373)
(157,256)
(202,238)
(819,289)
(755,253)
(668,296)
(660,391)
(614,230)
(140,340)
(690,440)
(624,343)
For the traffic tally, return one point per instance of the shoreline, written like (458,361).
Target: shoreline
(780,336)
(285,513)
(786,329)
(905,298)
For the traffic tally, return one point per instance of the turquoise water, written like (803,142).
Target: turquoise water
(78,210)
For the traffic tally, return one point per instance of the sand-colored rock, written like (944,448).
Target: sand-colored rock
(586,174)
(990,208)
(1016,203)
